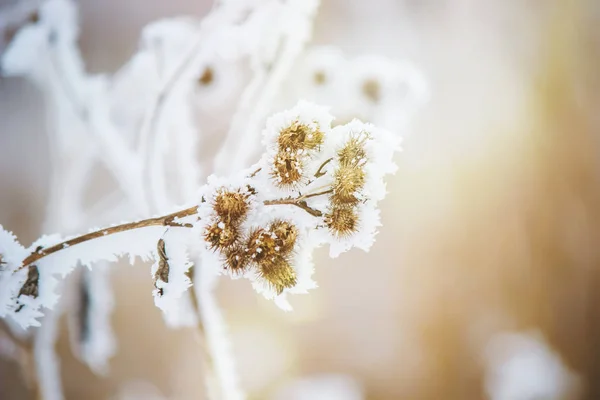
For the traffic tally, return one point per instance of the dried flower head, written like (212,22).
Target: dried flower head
(287,169)
(261,245)
(278,273)
(353,153)
(269,250)
(236,259)
(285,236)
(342,220)
(220,235)
(299,136)
(231,206)
(347,182)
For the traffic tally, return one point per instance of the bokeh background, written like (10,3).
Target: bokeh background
(489,251)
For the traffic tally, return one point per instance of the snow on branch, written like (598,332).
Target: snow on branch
(314,185)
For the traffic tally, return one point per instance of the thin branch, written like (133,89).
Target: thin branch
(252,175)
(319,172)
(167,220)
(308,196)
(295,202)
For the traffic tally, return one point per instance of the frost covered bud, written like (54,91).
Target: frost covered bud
(278,272)
(285,236)
(347,182)
(294,139)
(287,169)
(349,177)
(231,206)
(236,259)
(342,220)
(299,136)
(220,235)
(353,153)
(269,250)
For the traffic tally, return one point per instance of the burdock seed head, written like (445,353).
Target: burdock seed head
(353,153)
(299,136)
(261,245)
(347,182)
(231,206)
(285,236)
(342,220)
(287,169)
(236,258)
(278,273)
(269,250)
(220,235)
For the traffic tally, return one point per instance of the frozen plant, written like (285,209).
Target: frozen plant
(314,185)
(280,184)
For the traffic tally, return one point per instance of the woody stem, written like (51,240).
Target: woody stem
(166,220)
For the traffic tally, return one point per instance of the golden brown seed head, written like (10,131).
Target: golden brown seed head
(353,153)
(236,259)
(261,245)
(278,272)
(298,136)
(342,220)
(347,181)
(231,206)
(285,236)
(220,235)
(287,169)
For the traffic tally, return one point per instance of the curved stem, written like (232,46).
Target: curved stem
(295,202)
(167,220)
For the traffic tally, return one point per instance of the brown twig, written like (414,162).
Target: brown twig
(252,175)
(167,220)
(295,202)
(307,196)
(319,172)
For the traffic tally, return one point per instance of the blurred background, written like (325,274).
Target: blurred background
(484,281)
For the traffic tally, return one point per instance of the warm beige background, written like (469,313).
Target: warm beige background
(492,222)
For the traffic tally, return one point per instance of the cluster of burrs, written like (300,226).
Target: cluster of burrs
(349,179)
(267,250)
